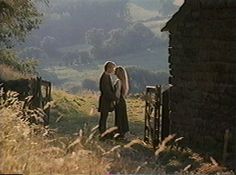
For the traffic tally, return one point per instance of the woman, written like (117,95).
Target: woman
(121,90)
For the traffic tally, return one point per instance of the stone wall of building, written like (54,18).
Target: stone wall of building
(202,57)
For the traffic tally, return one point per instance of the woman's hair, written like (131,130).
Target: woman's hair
(121,73)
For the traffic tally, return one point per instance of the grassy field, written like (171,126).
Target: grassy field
(70,146)
(80,111)
(77,111)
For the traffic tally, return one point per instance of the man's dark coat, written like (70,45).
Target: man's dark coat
(107,97)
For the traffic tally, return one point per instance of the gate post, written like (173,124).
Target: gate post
(156,115)
(152,115)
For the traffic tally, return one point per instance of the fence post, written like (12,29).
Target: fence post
(165,122)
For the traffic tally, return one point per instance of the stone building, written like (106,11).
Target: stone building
(202,59)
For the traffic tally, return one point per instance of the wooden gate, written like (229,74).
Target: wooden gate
(156,114)
(41,91)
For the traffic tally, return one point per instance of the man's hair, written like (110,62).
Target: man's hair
(108,64)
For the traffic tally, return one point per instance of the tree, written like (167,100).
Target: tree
(131,39)
(114,44)
(9,58)
(96,38)
(71,58)
(17,18)
(48,44)
(84,57)
(34,52)
(139,78)
(138,36)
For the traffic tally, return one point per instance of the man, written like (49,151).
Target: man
(107,97)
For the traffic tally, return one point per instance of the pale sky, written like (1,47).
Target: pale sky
(179,2)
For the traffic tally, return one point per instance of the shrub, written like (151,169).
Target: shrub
(140,78)
(9,58)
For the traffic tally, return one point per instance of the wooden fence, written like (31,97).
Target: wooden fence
(38,89)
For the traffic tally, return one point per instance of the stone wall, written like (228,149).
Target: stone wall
(202,57)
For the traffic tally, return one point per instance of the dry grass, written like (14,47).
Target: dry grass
(8,73)
(128,156)
(163,144)
(33,149)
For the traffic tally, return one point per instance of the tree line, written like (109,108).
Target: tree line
(138,79)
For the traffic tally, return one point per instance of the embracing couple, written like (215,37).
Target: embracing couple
(113,98)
